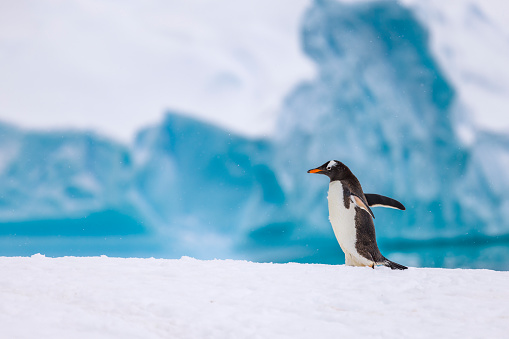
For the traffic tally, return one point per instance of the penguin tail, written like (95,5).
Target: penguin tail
(393,265)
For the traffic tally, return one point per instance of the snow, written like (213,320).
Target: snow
(104,297)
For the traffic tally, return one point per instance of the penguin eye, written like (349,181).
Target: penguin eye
(331,164)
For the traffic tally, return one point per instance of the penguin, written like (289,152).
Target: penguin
(351,216)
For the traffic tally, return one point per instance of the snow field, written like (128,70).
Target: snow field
(103,297)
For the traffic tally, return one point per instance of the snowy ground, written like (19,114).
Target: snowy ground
(157,298)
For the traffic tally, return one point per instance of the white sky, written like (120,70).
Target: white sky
(115,66)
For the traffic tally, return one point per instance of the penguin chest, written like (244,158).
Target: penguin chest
(342,219)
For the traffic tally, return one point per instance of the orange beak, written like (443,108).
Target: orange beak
(316,170)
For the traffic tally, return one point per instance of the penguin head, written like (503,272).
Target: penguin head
(334,169)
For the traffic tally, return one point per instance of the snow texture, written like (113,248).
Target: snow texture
(156,298)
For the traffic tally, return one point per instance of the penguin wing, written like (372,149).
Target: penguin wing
(375,200)
(359,202)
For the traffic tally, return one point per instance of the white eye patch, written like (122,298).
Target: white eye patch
(331,164)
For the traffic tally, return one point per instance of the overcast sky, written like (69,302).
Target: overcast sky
(114,66)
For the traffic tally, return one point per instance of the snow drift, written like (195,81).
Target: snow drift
(156,298)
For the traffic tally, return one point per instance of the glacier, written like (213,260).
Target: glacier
(379,103)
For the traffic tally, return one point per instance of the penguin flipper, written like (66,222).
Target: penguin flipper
(359,202)
(375,200)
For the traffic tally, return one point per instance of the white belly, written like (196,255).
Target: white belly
(343,224)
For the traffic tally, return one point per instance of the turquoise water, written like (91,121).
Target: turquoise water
(482,253)
(113,233)
(103,233)
(474,253)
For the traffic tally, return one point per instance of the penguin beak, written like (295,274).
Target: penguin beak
(316,170)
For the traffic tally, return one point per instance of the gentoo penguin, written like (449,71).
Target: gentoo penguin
(351,217)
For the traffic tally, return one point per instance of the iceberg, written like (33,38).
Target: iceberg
(204,186)
(382,105)
(57,187)
(60,173)
(379,103)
